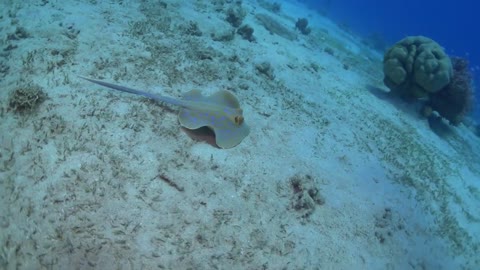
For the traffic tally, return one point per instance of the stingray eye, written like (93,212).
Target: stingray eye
(238,119)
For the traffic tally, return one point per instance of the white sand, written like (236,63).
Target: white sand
(79,176)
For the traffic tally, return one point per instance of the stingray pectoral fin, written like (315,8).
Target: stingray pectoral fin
(192,119)
(193,95)
(227,133)
(225,98)
(221,98)
(231,137)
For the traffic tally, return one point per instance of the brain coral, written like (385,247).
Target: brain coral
(415,67)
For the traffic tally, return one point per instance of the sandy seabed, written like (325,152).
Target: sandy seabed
(334,174)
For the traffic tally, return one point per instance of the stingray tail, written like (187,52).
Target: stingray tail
(134,91)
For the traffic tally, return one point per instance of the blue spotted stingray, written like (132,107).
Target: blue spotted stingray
(220,112)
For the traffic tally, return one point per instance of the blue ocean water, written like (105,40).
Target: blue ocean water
(453,24)
(332,175)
